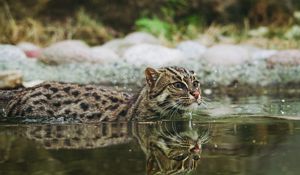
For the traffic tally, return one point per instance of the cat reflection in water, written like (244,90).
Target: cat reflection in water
(170,147)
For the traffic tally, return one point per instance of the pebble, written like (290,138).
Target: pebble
(10,79)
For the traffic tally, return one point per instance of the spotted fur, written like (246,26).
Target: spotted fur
(168,92)
(85,103)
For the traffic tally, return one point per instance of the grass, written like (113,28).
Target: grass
(41,32)
(84,27)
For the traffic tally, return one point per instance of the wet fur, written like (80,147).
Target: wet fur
(89,103)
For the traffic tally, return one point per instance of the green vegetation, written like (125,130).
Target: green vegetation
(268,23)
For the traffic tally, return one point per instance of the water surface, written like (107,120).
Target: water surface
(250,135)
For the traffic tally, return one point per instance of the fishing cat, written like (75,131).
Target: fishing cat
(169,91)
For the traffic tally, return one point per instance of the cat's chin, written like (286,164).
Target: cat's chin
(193,107)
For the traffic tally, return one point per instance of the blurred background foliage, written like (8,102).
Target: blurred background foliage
(96,21)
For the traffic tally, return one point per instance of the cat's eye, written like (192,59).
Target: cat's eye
(196,157)
(179,157)
(196,84)
(179,85)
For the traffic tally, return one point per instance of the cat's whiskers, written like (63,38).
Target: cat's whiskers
(175,131)
(206,99)
(204,103)
(170,136)
(165,110)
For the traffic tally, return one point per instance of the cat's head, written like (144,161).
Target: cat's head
(174,155)
(173,88)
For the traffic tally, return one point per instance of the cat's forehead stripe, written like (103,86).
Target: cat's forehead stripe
(181,73)
(176,73)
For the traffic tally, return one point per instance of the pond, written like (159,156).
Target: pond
(249,135)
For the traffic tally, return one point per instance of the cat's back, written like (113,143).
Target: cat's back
(83,102)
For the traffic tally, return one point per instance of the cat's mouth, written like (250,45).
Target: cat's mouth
(192,103)
(197,101)
(187,103)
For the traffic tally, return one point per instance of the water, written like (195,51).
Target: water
(249,135)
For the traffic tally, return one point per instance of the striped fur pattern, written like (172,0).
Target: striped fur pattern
(169,91)
(170,148)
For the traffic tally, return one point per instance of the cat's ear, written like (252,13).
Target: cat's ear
(151,76)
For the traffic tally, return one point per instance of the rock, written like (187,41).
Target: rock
(33,83)
(284,58)
(263,54)
(120,45)
(73,43)
(258,53)
(105,54)
(10,79)
(69,51)
(191,49)
(11,53)
(153,55)
(141,38)
(226,55)
(117,45)
(31,50)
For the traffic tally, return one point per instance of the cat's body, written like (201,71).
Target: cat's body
(81,102)
(169,91)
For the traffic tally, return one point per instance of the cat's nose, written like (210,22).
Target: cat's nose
(196,94)
(196,149)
